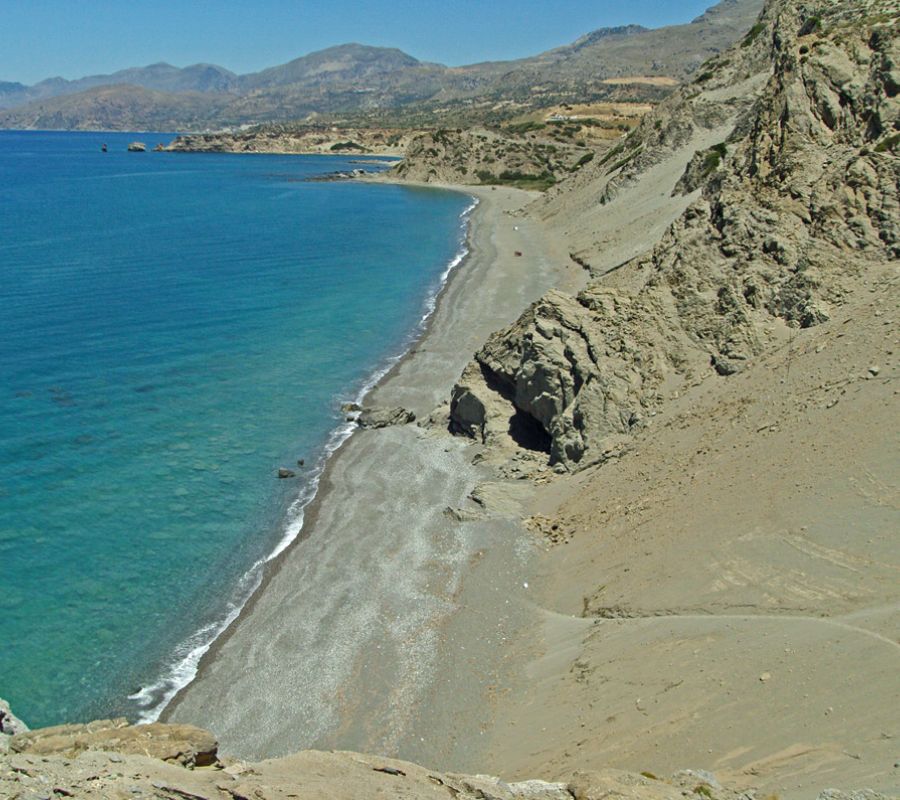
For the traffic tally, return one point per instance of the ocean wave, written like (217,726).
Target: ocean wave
(184,663)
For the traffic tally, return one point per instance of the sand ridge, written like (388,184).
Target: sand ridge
(727,593)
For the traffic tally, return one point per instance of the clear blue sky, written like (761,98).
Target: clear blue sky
(74,38)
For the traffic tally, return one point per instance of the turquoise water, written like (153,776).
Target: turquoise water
(173,328)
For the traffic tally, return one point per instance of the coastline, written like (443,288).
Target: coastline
(440,561)
(185,664)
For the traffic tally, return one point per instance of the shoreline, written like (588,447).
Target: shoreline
(300,514)
(442,568)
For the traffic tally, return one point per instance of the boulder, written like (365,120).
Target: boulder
(385,417)
(568,376)
(186,745)
(10,724)
(615,783)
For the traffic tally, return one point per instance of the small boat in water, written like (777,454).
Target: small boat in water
(137,147)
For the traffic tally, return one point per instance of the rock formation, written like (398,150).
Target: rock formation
(298,139)
(481,156)
(10,725)
(795,207)
(185,745)
(384,417)
(111,759)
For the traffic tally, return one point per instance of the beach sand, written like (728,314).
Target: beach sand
(726,596)
(723,596)
(390,617)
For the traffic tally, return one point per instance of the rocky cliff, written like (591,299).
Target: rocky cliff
(327,139)
(793,209)
(481,156)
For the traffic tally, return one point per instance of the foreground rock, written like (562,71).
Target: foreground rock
(178,744)
(384,417)
(111,759)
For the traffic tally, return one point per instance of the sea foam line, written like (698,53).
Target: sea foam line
(152,700)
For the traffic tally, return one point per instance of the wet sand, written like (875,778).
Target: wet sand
(389,618)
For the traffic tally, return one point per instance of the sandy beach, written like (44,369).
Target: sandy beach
(390,616)
(698,604)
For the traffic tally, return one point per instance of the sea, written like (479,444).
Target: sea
(174,328)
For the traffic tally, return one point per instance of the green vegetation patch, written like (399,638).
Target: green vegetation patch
(811,25)
(585,159)
(891,143)
(612,153)
(713,157)
(622,162)
(519,180)
(338,146)
(753,34)
(525,127)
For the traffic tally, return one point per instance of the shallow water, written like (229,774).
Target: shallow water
(173,328)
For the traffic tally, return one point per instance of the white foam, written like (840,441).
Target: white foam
(184,664)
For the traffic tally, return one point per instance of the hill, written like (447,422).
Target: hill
(697,428)
(375,82)
(719,584)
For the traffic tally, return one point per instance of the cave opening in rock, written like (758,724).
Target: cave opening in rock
(528,433)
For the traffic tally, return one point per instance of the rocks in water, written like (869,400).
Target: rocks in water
(137,147)
(351,408)
(186,745)
(385,417)
(284,472)
(10,724)
(339,176)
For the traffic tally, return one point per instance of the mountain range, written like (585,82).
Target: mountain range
(358,79)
